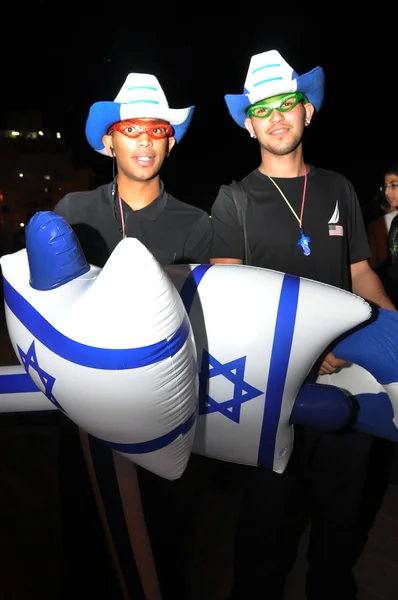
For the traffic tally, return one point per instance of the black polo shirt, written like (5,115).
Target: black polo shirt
(174,231)
(332,219)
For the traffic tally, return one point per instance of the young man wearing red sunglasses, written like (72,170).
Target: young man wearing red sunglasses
(137,130)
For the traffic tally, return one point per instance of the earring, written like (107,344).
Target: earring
(253,135)
(307,121)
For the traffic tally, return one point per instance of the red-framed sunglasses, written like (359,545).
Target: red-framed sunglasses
(135,127)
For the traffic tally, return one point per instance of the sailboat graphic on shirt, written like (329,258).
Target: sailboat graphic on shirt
(334,228)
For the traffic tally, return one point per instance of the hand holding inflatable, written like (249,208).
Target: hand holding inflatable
(372,378)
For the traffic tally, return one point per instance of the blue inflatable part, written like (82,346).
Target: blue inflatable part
(374,347)
(64,262)
(325,407)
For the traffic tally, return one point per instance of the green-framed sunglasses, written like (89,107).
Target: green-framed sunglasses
(282,103)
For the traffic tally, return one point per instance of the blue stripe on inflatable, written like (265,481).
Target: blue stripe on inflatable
(18,383)
(191,284)
(281,347)
(90,356)
(157,443)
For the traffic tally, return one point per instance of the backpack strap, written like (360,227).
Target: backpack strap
(239,197)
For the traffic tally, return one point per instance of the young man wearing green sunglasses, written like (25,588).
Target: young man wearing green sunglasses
(305,221)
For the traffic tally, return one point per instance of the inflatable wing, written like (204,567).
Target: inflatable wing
(258,333)
(19,393)
(372,378)
(325,407)
(113,349)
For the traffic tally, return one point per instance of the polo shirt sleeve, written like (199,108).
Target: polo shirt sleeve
(228,239)
(198,242)
(357,238)
(62,208)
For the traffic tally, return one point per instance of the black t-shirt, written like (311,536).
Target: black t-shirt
(174,231)
(332,219)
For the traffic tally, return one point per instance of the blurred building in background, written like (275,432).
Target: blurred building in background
(36,169)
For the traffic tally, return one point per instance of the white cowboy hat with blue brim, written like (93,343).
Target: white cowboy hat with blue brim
(140,97)
(269,75)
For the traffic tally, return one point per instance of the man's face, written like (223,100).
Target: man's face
(279,132)
(391,190)
(139,146)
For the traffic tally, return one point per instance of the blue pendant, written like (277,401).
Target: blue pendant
(304,242)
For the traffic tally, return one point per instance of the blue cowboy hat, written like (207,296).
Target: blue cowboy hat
(140,97)
(270,75)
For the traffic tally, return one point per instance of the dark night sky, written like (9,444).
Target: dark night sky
(62,61)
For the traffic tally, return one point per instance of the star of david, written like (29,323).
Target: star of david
(234,371)
(30,360)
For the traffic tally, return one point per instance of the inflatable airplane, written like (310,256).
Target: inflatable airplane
(161,362)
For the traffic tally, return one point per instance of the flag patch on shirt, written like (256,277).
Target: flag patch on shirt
(335,229)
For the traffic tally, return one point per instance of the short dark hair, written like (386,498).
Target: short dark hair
(393,170)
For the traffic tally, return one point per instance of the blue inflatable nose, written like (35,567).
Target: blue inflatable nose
(325,407)
(54,252)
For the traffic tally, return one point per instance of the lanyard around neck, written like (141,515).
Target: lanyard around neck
(122,217)
(304,240)
(299,218)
